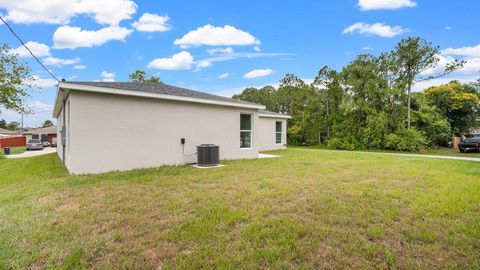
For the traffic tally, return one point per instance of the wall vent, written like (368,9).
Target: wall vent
(208,155)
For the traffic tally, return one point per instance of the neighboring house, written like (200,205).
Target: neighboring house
(43,134)
(7,133)
(27,133)
(105,126)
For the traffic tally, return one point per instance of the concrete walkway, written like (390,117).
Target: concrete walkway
(260,155)
(34,153)
(411,155)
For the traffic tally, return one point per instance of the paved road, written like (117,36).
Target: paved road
(413,155)
(46,150)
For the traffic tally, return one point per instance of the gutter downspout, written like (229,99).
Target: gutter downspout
(64,147)
(63,125)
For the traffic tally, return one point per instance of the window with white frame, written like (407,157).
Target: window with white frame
(245,130)
(278,132)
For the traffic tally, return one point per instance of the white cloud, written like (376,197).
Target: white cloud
(38,106)
(180,61)
(257,49)
(378,29)
(235,55)
(52,61)
(152,23)
(216,36)
(469,51)
(41,112)
(385,4)
(471,55)
(440,67)
(366,48)
(443,80)
(471,66)
(202,64)
(258,73)
(60,11)
(79,67)
(107,76)
(448,28)
(109,12)
(38,49)
(67,37)
(224,75)
(38,82)
(31,11)
(184,60)
(228,50)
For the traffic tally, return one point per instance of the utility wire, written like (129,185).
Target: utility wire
(19,39)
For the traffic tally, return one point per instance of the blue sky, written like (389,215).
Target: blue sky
(222,47)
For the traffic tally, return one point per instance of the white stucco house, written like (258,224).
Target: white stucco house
(107,126)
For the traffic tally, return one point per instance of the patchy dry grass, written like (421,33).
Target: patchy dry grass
(308,209)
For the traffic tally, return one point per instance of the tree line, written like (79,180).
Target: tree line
(14,125)
(369,104)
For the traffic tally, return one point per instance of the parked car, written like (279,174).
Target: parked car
(472,143)
(54,142)
(34,145)
(46,144)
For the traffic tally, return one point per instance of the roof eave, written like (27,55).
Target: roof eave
(60,96)
(275,116)
(65,86)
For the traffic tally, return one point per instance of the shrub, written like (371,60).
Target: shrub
(405,140)
(342,143)
(428,120)
(372,134)
(294,135)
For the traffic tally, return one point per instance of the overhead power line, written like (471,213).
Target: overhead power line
(25,46)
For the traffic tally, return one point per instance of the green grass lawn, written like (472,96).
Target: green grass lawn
(13,151)
(450,152)
(307,209)
(441,151)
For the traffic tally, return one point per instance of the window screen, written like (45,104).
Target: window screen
(245,130)
(278,132)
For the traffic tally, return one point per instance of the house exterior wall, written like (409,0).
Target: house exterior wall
(60,122)
(59,136)
(267,131)
(28,137)
(112,132)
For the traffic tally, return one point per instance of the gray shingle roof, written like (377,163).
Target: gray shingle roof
(47,130)
(6,131)
(161,88)
(271,113)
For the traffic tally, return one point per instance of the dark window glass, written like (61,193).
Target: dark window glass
(245,130)
(245,122)
(278,126)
